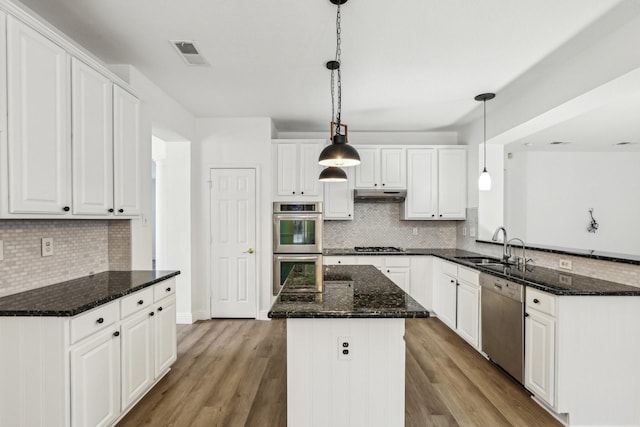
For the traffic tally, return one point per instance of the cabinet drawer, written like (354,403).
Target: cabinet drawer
(93,321)
(471,277)
(541,301)
(339,260)
(164,289)
(447,268)
(397,261)
(136,302)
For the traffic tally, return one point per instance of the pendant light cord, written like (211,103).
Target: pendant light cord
(336,77)
(484,105)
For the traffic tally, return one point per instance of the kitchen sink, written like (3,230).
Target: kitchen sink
(481,260)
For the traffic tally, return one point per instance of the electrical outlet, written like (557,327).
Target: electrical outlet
(1,250)
(345,348)
(564,279)
(464,231)
(566,264)
(47,246)
(472,232)
(415,231)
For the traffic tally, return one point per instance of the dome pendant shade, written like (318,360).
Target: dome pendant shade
(484,181)
(333,174)
(339,155)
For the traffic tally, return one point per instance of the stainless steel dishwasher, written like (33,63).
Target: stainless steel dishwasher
(503,324)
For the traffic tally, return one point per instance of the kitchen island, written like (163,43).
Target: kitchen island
(345,348)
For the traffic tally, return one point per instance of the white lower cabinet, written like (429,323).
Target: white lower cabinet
(445,292)
(95,380)
(456,299)
(86,370)
(540,336)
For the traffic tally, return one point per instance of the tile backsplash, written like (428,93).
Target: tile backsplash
(628,274)
(379,224)
(80,247)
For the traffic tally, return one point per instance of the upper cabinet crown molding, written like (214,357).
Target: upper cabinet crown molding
(42,26)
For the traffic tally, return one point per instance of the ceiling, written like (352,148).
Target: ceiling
(413,65)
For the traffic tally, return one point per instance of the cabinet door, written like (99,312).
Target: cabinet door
(95,380)
(393,168)
(539,359)
(39,133)
(367,172)
(127,152)
(452,183)
(137,356)
(422,184)
(309,169)
(286,168)
(467,312)
(401,276)
(92,140)
(338,198)
(165,335)
(444,298)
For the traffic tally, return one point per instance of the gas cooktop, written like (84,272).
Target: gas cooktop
(374,249)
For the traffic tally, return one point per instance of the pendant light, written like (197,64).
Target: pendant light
(339,153)
(484,181)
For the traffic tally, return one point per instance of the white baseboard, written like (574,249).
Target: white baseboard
(263,315)
(184,318)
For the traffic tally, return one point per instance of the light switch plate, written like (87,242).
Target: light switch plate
(47,246)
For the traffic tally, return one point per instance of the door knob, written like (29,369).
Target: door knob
(249,251)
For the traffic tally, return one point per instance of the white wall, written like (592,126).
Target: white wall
(561,187)
(173,217)
(491,214)
(230,142)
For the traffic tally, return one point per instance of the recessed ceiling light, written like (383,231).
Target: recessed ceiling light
(626,143)
(559,143)
(528,144)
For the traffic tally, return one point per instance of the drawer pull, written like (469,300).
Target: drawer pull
(168,289)
(116,334)
(159,308)
(152,314)
(526,315)
(100,320)
(140,302)
(536,301)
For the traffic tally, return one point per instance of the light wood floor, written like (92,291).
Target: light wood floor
(233,373)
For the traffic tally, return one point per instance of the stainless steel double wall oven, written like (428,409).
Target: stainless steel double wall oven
(297,243)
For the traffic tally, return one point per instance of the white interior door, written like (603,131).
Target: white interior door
(233,243)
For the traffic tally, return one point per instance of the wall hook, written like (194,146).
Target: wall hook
(594,224)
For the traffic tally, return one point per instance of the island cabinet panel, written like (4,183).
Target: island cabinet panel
(326,388)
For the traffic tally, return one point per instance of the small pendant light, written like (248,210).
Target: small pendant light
(339,153)
(484,181)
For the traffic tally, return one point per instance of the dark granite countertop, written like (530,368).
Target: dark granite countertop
(546,279)
(349,291)
(75,296)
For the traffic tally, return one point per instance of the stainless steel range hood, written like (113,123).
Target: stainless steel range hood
(379,196)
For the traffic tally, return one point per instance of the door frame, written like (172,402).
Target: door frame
(259,249)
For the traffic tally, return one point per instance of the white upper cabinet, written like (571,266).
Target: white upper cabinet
(381,168)
(297,169)
(92,140)
(71,145)
(338,198)
(436,183)
(452,183)
(38,126)
(127,152)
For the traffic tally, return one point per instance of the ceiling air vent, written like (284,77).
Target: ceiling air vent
(188,52)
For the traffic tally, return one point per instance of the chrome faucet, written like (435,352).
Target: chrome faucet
(520,261)
(506,252)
